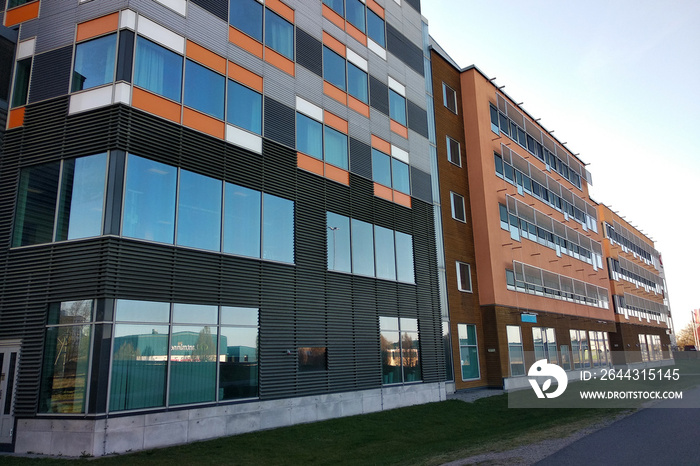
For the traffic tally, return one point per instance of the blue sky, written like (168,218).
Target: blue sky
(615,80)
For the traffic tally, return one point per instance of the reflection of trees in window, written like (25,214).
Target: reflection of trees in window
(312,358)
(204,348)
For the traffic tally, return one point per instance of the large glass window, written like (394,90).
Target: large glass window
(242,216)
(381,167)
(244,107)
(355,14)
(238,353)
(66,357)
(400,176)
(468,352)
(279,34)
(158,69)
(309,136)
(375,28)
(81,203)
(362,248)
(333,68)
(400,348)
(516,355)
(20,91)
(193,354)
(149,200)
(199,211)
(449,98)
(338,241)
(246,15)
(94,62)
(397,107)
(335,147)
(376,251)
(404,258)
(357,83)
(36,204)
(278,229)
(204,89)
(545,344)
(385,258)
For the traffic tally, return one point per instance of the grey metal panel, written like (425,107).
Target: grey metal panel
(54,28)
(360,158)
(420,185)
(50,74)
(401,47)
(309,86)
(415,4)
(417,119)
(279,85)
(280,122)
(309,52)
(307,15)
(378,95)
(380,124)
(419,151)
(207,29)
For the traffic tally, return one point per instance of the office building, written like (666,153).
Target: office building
(215,217)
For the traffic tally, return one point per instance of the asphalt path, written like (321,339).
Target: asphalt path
(653,436)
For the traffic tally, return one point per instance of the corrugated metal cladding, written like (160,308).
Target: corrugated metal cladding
(300,305)
(378,95)
(404,49)
(280,122)
(360,158)
(420,185)
(50,74)
(417,119)
(216,7)
(309,52)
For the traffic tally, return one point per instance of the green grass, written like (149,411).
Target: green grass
(424,434)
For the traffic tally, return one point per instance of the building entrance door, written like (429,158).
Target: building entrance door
(9,356)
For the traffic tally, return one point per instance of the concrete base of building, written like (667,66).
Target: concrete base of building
(80,437)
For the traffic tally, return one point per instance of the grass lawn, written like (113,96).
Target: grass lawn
(425,434)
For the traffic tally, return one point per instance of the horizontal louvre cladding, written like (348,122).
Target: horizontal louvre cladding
(278,369)
(279,122)
(279,170)
(360,158)
(362,198)
(310,216)
(364,303)
(91,132)
(309,52)
(415,4)
(341,339)
(417,119)
(218,8)
(152,137)
(338,199)
(125,57)
(50,74)
(201,153)
(43,131)
(404,49)
(421,185)
(378,95)
(243,167)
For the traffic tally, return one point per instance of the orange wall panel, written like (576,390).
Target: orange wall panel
(337,174)
(15,118)
(383,192)
(332,91)
(206,57)
(22,13)
(356,34)
(243,76)
(156,104)
(358,106)
(381,145)
(97,27)
(203,123)
(309,164)
(334,44)
(335,122)
(279,61)
(402,199)
(399,129)
(245,42)
(333,17)
(281,9)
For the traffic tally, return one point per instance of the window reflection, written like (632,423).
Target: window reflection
(279,34)
(204,89)
(338,241)
(82,197)
(242,221)
(385,255)
(397,107)
(244,107)
(362,248)
(400,347)
(157,69)
(246,15)
(94,62)
(199,211)
(36,204)
(278,228)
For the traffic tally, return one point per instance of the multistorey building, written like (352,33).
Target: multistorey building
(639,293)
(517,217)
(215,217)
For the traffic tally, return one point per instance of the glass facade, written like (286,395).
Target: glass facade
(158,69)
(333,68)
(94,62)
(516,356)
(244,107)
(375,28)
(279,34)
(397,107)
(247,15)
(400,348)
(204,89)
(20,90)
(357,83)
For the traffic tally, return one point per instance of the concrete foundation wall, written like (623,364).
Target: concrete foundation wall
(79,437)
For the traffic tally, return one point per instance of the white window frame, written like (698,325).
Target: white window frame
(449,151)
(445,87)
(460,275)
(453,197)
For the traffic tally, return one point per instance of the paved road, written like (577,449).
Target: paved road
(653,436)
